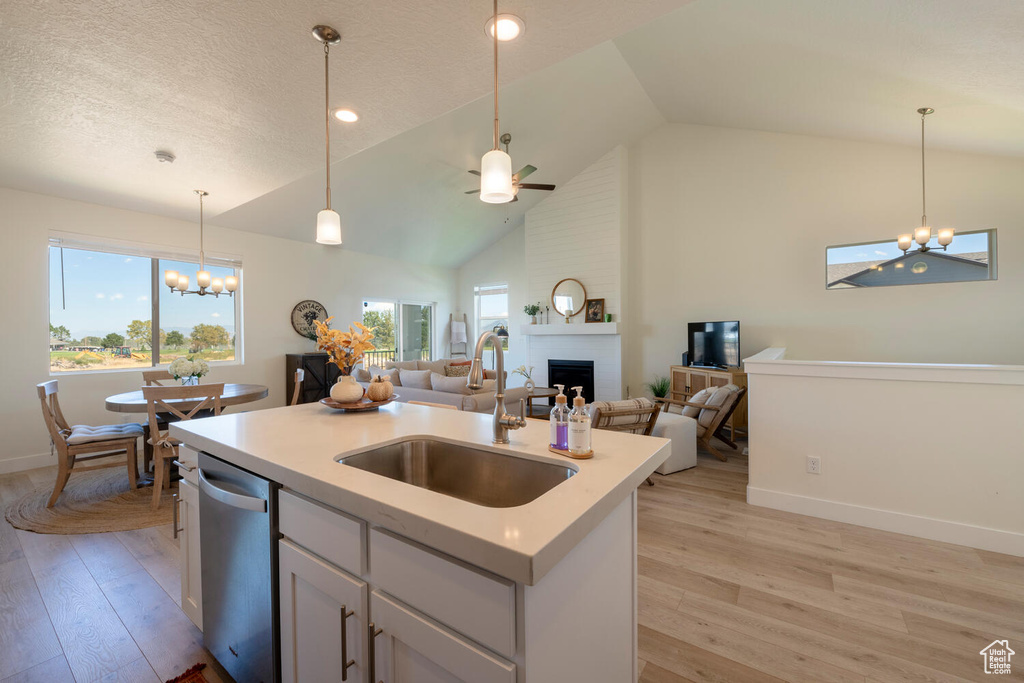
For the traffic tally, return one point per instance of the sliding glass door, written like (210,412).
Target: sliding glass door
(403,331)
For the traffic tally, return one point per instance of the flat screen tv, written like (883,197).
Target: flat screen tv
(714,344)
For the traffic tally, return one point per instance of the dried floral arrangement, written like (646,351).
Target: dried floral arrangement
(345,349)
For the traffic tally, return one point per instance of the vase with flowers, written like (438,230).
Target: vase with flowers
(526,375)
(345,350)
(188,370)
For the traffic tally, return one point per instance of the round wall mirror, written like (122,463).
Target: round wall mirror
(568,297)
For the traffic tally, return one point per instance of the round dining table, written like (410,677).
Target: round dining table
(234,394)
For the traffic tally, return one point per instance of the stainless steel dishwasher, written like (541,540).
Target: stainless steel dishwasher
(238,537)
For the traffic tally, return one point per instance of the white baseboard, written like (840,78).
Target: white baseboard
(26,462)
(996,540)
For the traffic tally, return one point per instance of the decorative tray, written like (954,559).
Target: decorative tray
(568,454)
(360,405)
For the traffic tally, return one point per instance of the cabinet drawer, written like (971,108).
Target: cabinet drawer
(330,533)
(413,648)
(471,601)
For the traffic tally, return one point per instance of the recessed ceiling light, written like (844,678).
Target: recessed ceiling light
(510,27)
(346,115)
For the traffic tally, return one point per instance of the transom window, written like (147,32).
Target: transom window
(110,310)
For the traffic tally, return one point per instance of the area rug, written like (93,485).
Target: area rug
(92,502)
(193,675)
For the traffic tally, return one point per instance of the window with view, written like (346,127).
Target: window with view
(110,310)
(402,331)
(492,309)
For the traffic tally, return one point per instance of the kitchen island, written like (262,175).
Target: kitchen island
(543,591)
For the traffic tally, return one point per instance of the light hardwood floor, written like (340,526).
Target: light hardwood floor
(94,607)
(729,593)
(732,592)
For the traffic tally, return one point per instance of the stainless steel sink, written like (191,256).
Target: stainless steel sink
(483,477)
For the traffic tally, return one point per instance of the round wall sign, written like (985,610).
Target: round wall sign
(303,315)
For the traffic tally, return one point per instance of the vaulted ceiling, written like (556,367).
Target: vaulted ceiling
(89,90)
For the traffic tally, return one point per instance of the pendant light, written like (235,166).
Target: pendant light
(923,234)
(496,165)
(328,222)
(206,284)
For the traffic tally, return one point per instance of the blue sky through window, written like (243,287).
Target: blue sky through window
(883,251)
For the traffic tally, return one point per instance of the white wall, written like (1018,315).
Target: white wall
(504,261)
(931,451)
(277,274)
(733,224)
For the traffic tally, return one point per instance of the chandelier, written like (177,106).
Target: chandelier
(923,234)
(207,284)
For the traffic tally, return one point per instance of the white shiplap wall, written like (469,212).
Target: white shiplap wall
(577,232)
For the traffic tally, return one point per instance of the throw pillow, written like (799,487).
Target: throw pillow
(432,365)
(457,370)
(415,379)
(700,397)
(392,374)
(400,364)
(449,385)
(362,375)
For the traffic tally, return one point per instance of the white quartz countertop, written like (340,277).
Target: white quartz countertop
(298,447)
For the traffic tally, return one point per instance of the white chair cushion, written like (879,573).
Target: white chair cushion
(416,379)
(700,397)
(86,434)
(718,397)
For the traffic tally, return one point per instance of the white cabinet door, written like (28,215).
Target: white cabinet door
(410,648)
(188,551)
(323,620)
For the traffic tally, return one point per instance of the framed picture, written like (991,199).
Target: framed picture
(595,311)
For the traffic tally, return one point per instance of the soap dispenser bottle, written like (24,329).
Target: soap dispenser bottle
(579,425)
(560,421)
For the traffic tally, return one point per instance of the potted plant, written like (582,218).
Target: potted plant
(532,310)
(660,386)
(345,349)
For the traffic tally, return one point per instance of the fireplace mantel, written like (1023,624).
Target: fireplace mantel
(572,328)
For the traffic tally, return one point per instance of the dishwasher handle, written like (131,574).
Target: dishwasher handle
(235,500)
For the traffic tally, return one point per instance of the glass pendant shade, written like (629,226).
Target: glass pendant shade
(231,283)
(905,241)
(328,226)
(922,235)
(496,178)
(171,278)
(945,236)
(217,285)
(182,283)
(203,278)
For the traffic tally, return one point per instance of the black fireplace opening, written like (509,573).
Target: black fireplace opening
(572,373)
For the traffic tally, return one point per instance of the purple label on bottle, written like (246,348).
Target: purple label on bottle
(561,436)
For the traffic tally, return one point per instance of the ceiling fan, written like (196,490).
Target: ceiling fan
(518,176)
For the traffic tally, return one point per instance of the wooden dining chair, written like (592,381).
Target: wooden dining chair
(183,403)
(300,376)
(152,378)
(81,442)
(633,416)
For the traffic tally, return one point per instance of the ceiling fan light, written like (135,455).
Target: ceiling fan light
(328,227)
(496,178)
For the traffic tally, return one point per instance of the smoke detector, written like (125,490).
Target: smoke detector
(164,157)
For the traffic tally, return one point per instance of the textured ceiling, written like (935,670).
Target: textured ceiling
(838,68)
(235,91)
(406,196)
(89,89)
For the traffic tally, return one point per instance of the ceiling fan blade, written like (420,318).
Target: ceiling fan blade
(535,186)
(473,192)
(523,172)
(474,172)
(515,199)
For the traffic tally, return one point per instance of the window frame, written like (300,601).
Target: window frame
(397,303)
(155,254)
(477,317)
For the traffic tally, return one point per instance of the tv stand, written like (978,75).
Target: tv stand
(688,380)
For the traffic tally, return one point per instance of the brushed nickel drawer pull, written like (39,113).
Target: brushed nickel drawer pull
(374,632)
(345,661)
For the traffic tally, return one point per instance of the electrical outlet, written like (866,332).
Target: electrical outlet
(813,465)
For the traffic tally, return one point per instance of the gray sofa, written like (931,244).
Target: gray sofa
(479,401)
